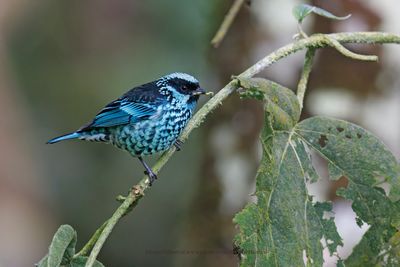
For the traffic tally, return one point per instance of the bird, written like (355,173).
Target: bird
(146,120)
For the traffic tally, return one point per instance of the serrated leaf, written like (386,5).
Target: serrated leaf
(285,227)
(301,11)
(367,164)
(334,172)
(392,257)
(81,261)
(62,247)
(284,224)
(353,152)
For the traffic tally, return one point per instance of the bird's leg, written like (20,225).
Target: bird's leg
(148,171)
(178,143)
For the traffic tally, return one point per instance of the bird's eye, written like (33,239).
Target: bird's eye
(184,88)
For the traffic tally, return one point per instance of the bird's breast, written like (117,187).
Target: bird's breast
(156,134)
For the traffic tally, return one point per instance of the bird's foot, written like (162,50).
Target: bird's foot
(148,171)
(152,176)
(178,144)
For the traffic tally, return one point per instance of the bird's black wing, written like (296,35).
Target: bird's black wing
(136,105)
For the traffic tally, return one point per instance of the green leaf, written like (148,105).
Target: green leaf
(285,224)
(367,164)
(285,227)
(62,250)
(354,152)
(43,262)
(280,101)
(62,247)
(81,261)
(392,257)
(301,11)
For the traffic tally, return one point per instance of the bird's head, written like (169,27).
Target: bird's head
(184,86)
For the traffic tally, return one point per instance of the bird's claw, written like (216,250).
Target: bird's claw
(178,144)
(148,171)
(152,177)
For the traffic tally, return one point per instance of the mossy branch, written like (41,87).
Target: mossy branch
(310,43)
(305,74)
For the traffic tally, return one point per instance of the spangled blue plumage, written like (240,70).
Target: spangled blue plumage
(136,105)
(147,119)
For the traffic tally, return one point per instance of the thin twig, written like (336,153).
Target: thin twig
(314,41)
(89,245)
(226,24)
(305,74)
(346,52)
(301,32)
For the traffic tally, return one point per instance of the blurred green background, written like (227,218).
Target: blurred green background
(62,61)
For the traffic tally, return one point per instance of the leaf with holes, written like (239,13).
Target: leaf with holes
(301,11)
(373,174)
(286,227)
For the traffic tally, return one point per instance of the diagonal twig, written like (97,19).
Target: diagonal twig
(227,22)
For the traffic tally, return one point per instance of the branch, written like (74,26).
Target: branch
(305,74)
(226,24)
(92,241)
(314,41)
(344,51)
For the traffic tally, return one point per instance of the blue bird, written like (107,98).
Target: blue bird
(147,119)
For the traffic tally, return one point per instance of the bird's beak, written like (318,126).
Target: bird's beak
(199,91)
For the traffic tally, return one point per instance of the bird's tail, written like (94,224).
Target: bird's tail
(64,137)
